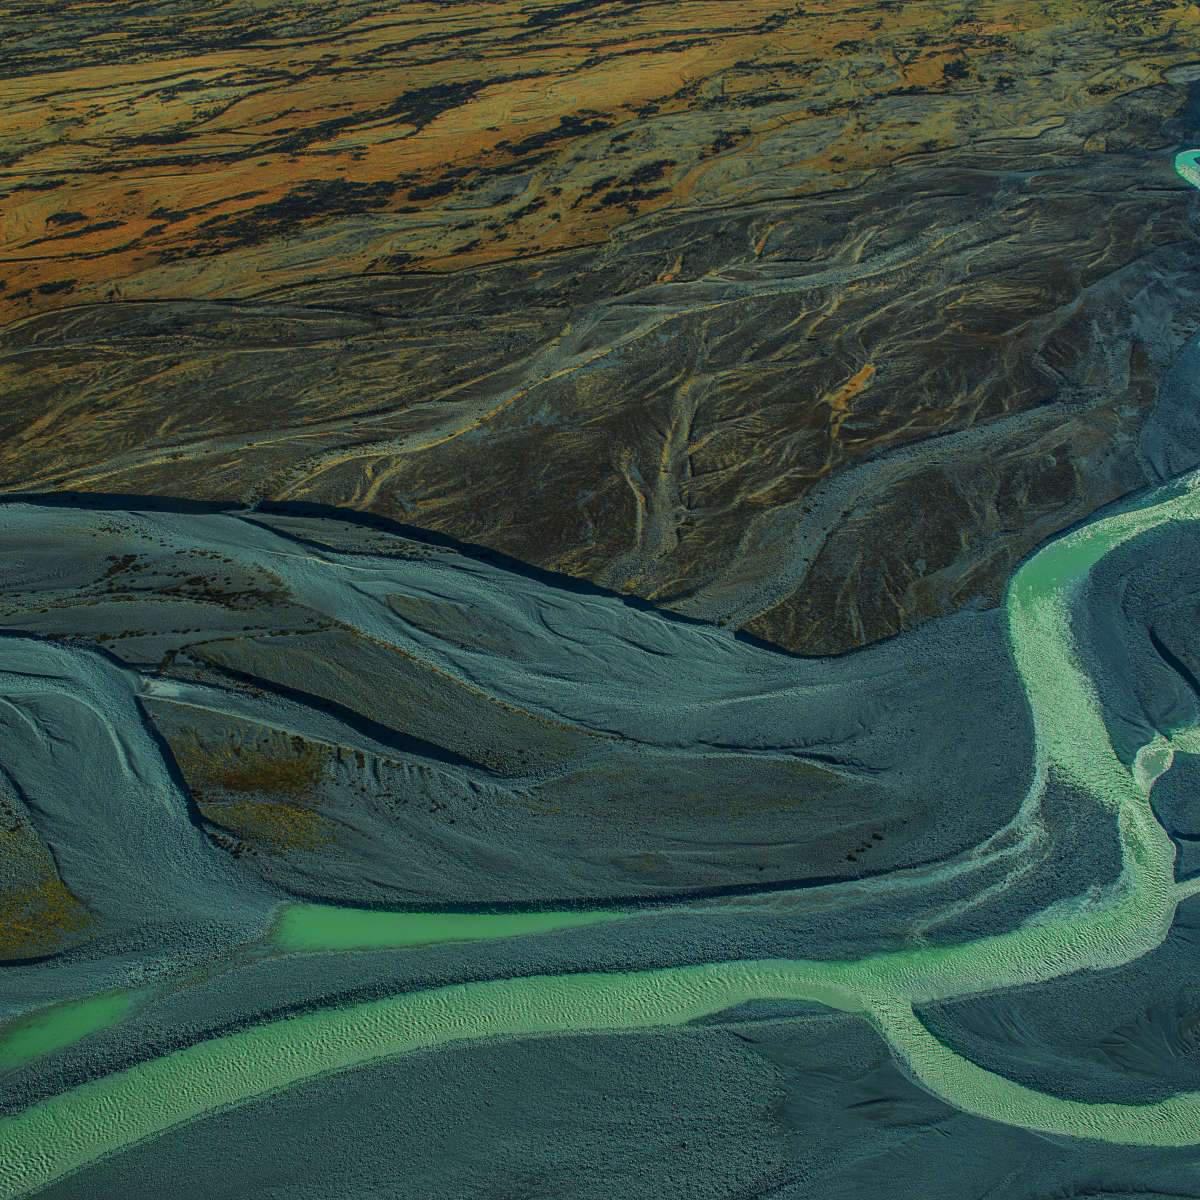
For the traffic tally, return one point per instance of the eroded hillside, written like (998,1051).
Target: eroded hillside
(809,319)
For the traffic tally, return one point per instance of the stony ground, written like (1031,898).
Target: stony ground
(808,319)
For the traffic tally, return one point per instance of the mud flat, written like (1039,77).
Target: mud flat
(79,695)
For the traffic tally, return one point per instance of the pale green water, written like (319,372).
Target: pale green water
(1187,163)
(1122,922)
(299,928)
(313,927)
(58,1025)
(1130,918)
